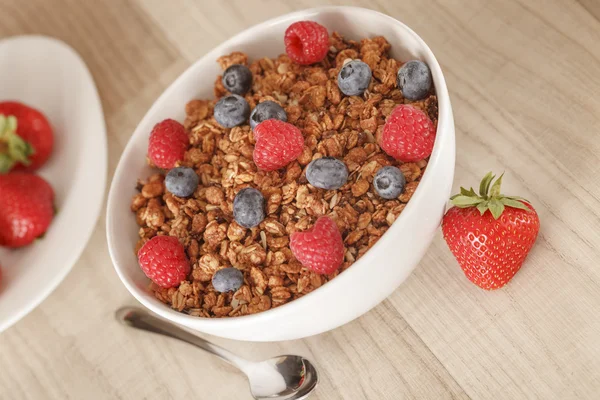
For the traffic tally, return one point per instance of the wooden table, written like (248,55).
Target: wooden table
(525,81)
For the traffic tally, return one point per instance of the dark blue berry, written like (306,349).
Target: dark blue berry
(182,181)
(414,80)
(267,110)
(237,79)
(228,280)
(232,110)
(354,78)
(327,173)
(389,182)
(249,207)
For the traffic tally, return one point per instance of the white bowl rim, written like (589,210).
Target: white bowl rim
(444,118)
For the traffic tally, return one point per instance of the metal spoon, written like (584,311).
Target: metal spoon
(278,378)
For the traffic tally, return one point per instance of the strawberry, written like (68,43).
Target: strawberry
(491,234)
(278,143)
(408,134)
(26,137)
(26,208)
(168,143)
(163,260)
(321,248)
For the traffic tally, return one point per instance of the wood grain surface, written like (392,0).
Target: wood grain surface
(524,79)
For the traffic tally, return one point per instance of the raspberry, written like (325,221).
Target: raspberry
(408,134)
(306,42)
(163,260)
(277,144)
(168,143)
(319,249)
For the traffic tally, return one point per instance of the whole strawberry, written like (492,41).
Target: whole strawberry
(163,260)
(168,143)
(408,134)
(26,208)
(26,137)
(321,248)
(491,234)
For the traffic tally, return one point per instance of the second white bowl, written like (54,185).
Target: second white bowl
(372,278)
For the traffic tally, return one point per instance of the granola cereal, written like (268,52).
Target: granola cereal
(334,125)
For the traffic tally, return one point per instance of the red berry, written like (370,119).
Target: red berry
(168,143)
(491,234)
(36,134)
(163,260)
(278,143)
(26,208)
(408,134)
(321,248)
(306,42)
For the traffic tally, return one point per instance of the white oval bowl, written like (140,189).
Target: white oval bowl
(49,75)
(372,278)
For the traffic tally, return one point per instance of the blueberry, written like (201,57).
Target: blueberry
(232,110)
(182,181)
(249,207)
(414,80)
(227,280)
(354,78)
(237,79)
(327,173)
(267,110)
(389,182)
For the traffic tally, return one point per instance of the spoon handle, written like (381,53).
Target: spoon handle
(138,318)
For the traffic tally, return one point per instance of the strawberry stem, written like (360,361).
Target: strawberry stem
(13,148)
(489,198)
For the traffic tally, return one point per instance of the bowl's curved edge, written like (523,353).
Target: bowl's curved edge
(58,278)
(219,326)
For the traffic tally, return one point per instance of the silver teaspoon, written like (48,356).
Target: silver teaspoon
(278,378)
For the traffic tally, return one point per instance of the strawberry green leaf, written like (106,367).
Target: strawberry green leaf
(464,192)
(8,124)
(13,148)
(513,203)
(516,198)
(483,207)
(495,191)
(496,207)
(470,192)
(466,201)
(484,186)
(489,197)
(6,163)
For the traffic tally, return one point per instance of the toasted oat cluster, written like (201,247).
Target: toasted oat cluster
(345,127)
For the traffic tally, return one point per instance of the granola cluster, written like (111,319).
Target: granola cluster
(333,125)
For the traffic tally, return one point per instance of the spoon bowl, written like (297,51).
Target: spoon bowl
(286,377)
(300,378)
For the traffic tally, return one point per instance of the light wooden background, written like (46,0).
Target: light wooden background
(524,78)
